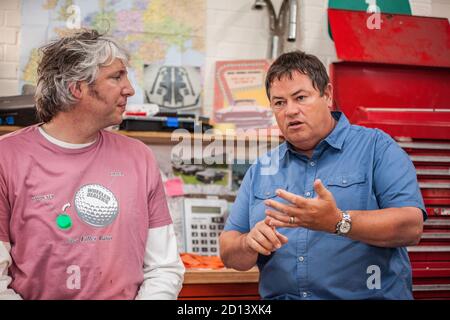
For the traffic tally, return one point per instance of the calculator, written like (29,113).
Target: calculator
(204,220)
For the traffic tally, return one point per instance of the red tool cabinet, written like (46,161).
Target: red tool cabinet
(397,78)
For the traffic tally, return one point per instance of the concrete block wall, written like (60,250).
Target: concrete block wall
(9,47)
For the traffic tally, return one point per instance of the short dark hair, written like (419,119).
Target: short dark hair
(298,61)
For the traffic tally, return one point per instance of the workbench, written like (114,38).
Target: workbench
(220,284)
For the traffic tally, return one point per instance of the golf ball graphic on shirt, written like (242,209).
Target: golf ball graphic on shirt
(96,205)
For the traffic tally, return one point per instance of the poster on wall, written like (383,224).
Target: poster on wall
(173,88)
(240,95)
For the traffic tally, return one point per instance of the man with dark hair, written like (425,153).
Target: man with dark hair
(333,220)
(83,214)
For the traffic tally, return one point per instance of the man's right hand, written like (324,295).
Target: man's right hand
(264,239)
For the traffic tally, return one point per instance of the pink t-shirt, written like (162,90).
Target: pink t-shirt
(78,219)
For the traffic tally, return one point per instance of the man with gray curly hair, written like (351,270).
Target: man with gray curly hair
(83,213)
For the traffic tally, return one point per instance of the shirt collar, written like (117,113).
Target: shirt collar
(335,139)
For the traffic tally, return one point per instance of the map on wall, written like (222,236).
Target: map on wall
(168,32)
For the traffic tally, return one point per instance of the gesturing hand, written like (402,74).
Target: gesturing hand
(319,213)
(264,239)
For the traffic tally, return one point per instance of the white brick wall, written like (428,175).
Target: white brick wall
(9,5)
(441,8)
(421,7)
(314,36)
(9,47)
(234,31)
(245,35)
(238,32)
(8,70)
(11,53)
(12,18)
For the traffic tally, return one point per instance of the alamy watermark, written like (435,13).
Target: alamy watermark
(230,147)
(374,279)
(374,21)
(73,281)
(74,19)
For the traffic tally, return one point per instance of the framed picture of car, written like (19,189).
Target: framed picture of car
(240,96)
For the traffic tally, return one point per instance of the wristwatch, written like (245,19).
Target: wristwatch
(344,226)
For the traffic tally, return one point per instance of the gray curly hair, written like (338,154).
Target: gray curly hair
(67,61)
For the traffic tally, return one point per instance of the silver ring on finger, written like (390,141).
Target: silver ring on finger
(291,220)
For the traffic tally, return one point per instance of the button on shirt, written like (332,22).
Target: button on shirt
(364,169)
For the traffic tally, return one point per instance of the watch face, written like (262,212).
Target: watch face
(345,227)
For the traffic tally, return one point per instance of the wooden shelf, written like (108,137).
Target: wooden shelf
(8,129)
(202,276)
(222,284)
(153,137)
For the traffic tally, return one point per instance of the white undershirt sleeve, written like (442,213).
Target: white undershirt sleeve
(163,268)
(5,280)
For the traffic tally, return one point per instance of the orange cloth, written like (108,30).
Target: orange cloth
(192,260)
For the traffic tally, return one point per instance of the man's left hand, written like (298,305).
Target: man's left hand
(320,213)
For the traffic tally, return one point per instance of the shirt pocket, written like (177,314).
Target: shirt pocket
(349,190)
(262,193)
(268,191)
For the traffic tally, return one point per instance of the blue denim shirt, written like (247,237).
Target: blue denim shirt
(364,169)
